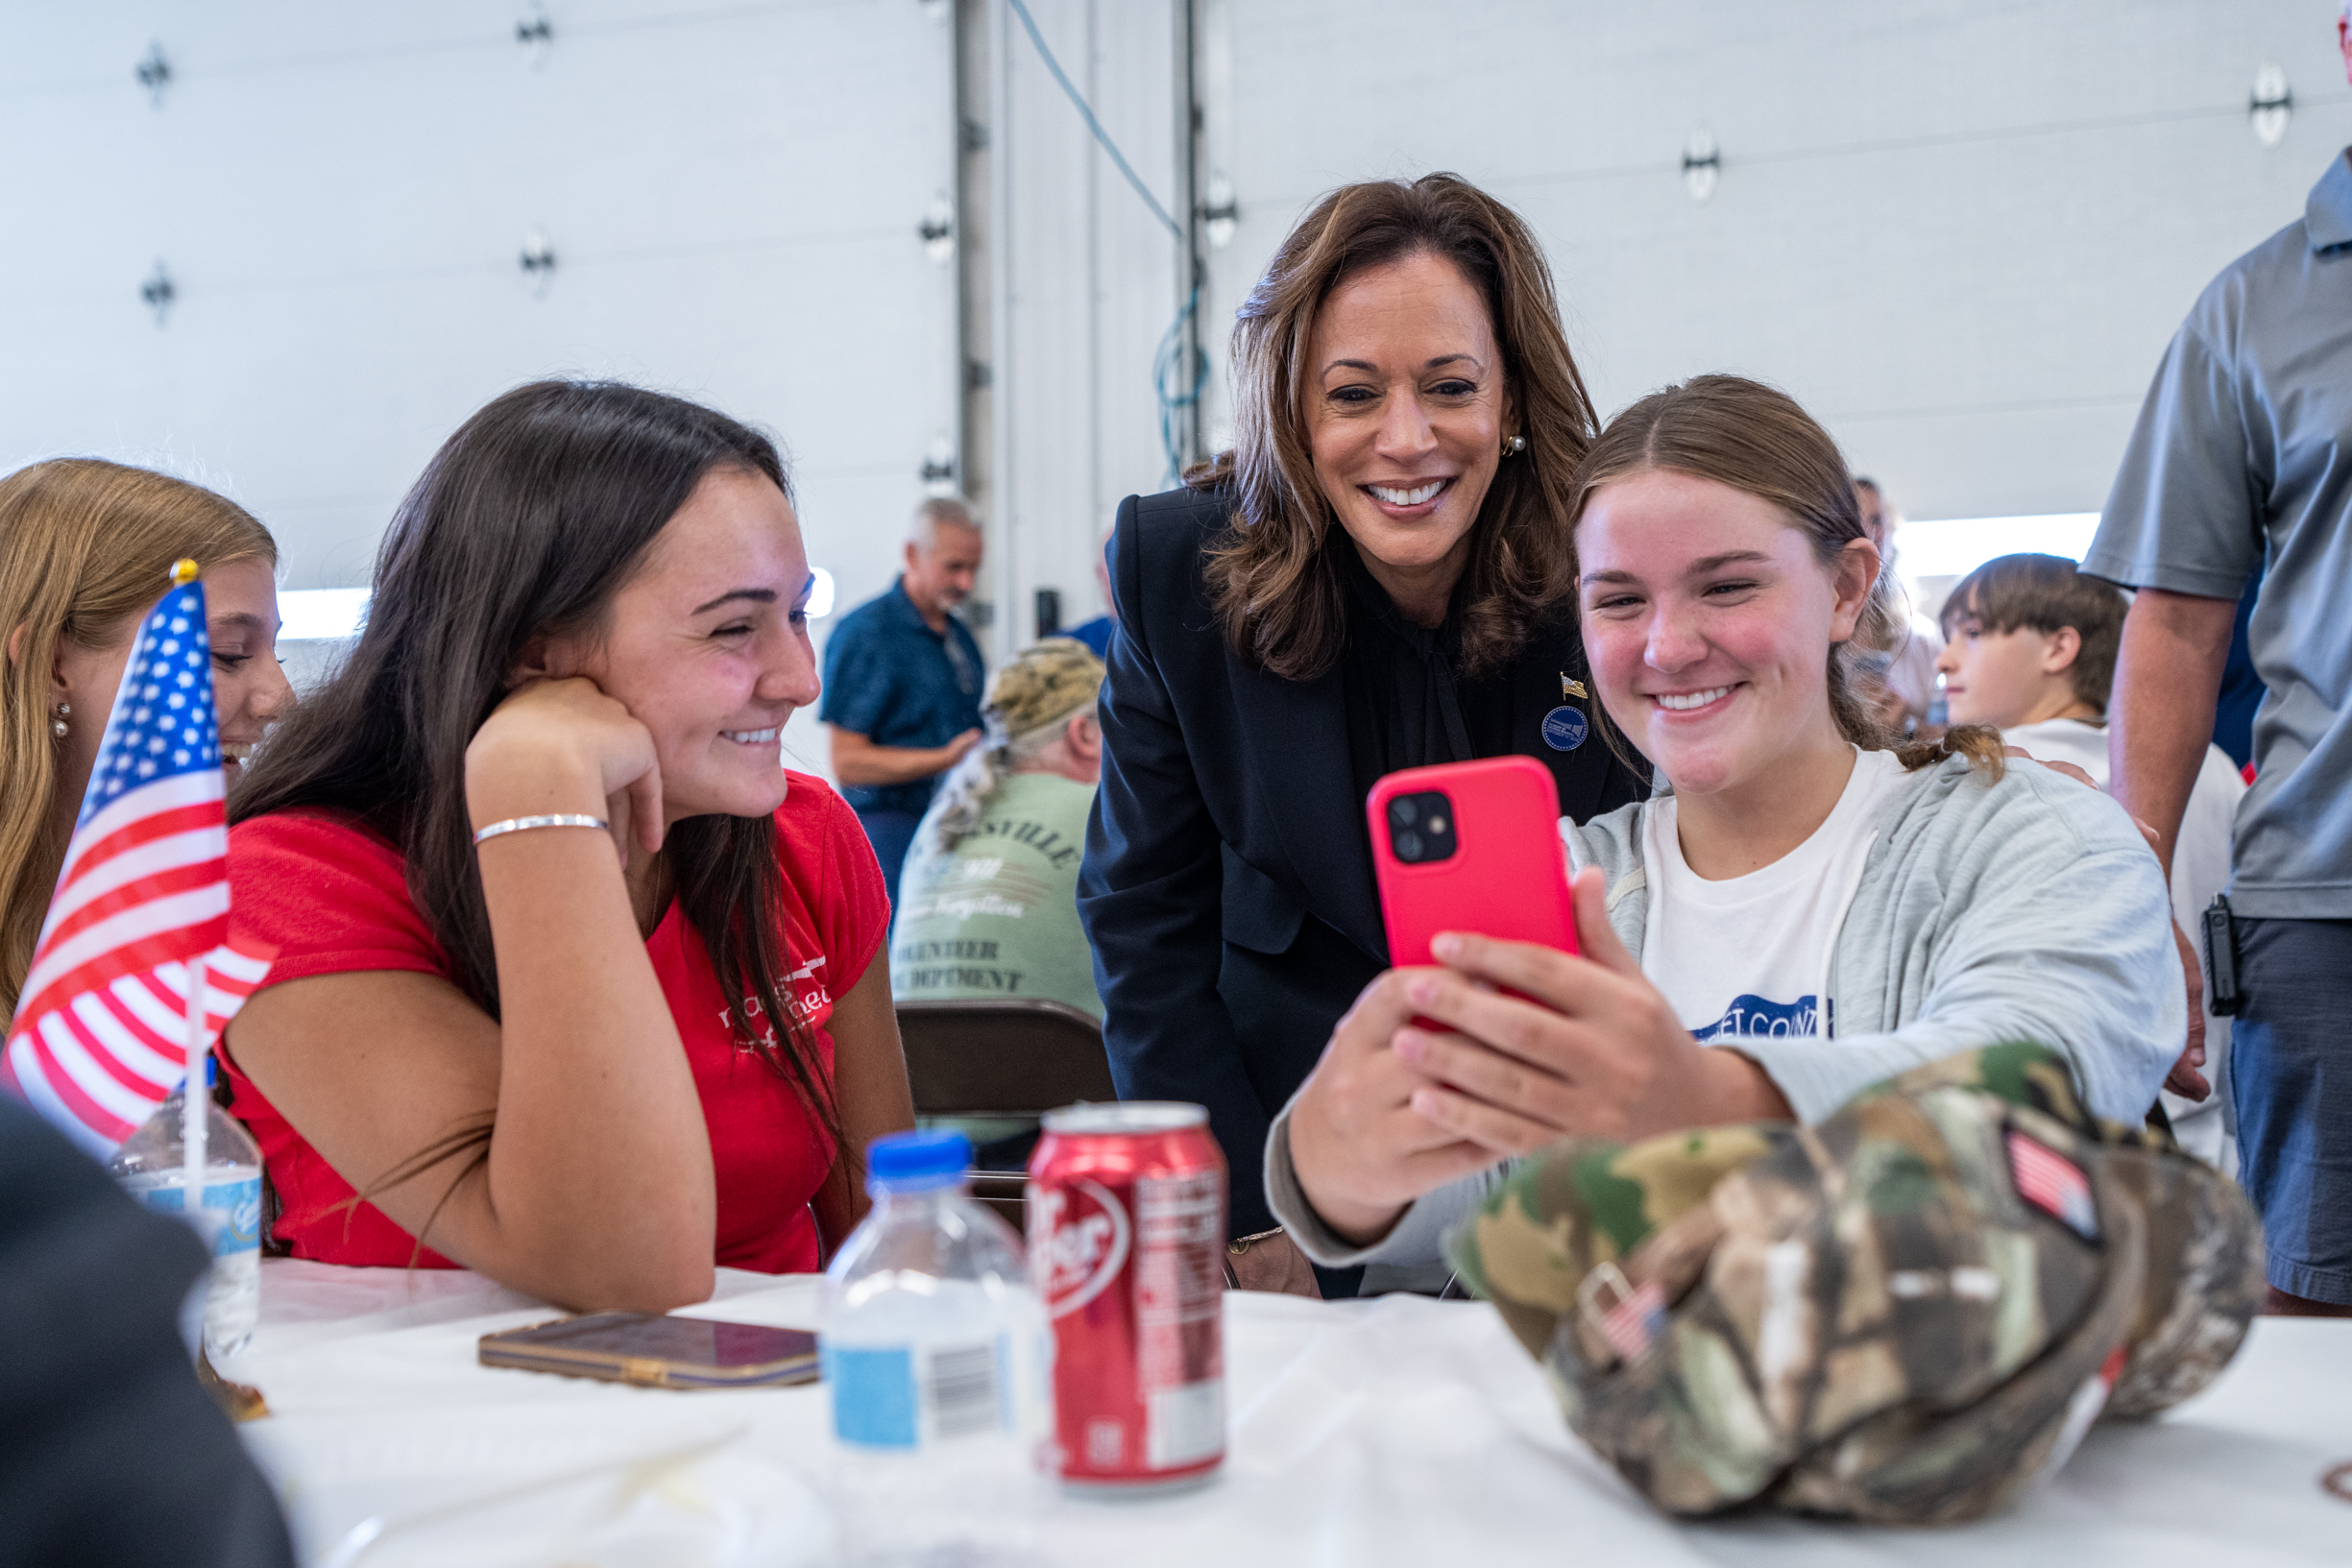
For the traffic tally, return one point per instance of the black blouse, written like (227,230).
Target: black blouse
(1406,706)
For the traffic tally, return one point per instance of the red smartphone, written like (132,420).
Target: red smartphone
(1470,847)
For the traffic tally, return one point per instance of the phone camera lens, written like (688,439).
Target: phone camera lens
(1421,827)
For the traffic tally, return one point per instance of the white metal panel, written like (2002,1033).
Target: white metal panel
(342,194)
(1961,234)
(1086,292)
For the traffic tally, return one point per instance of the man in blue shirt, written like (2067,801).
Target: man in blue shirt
(902,682)
(2242,464)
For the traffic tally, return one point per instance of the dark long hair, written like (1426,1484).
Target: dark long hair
(524,525)
(1272,579)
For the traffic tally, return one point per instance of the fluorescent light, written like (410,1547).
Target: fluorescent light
(1956,547)
(1931,554)
(321,614)
(1934,553)
(318,614)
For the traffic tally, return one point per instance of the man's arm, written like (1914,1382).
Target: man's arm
(2167,675)
(857,760)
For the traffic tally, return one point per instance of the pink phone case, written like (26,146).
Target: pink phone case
(1507,876)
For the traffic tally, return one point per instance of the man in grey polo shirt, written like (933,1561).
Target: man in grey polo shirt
(2243,455)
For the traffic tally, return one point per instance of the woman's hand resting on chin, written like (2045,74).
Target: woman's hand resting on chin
(563,746)
(1587,1045)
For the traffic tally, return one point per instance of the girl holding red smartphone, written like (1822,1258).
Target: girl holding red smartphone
(1802,911)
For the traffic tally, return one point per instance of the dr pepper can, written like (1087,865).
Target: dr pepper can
(1126,1235)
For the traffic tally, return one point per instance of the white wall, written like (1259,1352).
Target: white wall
(1961,234)
(341,194)
(1085,287)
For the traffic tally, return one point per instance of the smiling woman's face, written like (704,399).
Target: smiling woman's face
(708,646)
(1708,620)
(1406,411)
(250,691)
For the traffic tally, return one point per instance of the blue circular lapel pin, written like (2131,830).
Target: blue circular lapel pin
(1565,728)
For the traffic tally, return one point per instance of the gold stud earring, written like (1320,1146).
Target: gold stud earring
(58,724)
(1515,446)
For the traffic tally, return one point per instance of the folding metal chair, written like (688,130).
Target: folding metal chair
(1008,1059)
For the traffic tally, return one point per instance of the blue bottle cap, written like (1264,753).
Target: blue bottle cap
(912,1160)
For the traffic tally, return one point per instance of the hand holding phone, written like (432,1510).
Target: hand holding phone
(1416,1088)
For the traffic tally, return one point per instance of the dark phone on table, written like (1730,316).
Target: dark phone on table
(1470,847)
(657,1351)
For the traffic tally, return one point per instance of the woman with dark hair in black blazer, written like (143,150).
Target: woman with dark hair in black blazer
(1377,577)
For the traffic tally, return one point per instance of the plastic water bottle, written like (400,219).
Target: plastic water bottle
(152,1167)
(937,1362)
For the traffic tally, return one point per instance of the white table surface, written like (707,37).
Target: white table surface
(1395,1431)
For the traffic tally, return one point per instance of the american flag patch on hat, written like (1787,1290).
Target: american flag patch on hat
(2053,1183)
(1633,1322)
(1626,1317)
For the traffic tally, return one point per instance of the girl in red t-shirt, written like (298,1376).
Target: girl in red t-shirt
(575,981)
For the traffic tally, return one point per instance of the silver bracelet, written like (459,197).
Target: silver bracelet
(516,825)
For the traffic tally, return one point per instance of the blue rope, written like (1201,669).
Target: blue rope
(1164,363)
(1093,125)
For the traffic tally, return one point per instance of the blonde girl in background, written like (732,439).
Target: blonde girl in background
(85,549)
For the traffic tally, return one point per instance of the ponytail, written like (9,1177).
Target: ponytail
(1859,721)
(1979,743)
(963,794)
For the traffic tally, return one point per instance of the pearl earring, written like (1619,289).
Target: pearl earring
(58,724)
(1515,446)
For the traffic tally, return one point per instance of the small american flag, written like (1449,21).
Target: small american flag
(1634,1322)
(100,1036)
(2053,1183)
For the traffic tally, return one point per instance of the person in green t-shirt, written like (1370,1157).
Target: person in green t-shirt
(988,902)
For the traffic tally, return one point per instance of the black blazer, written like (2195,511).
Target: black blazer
(1227,886)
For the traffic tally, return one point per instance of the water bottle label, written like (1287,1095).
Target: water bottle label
(913,1396)
(873,1397)
(237,1202)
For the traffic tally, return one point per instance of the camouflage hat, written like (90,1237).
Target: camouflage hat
(1910,1312)
(1048,680)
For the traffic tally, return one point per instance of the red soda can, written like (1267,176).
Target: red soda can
(1126,1235)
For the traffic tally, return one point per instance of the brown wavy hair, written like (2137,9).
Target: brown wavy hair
(1757,439)
(1271,577)
(2047,593)
(84,546)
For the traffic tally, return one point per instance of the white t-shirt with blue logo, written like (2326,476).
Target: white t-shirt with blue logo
(1748,956)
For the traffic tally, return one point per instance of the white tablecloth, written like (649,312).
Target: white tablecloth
(1396,1431)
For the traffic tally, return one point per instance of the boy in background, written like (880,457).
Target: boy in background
(2030,649)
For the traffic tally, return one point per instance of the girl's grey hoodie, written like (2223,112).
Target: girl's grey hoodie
(2027,908)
